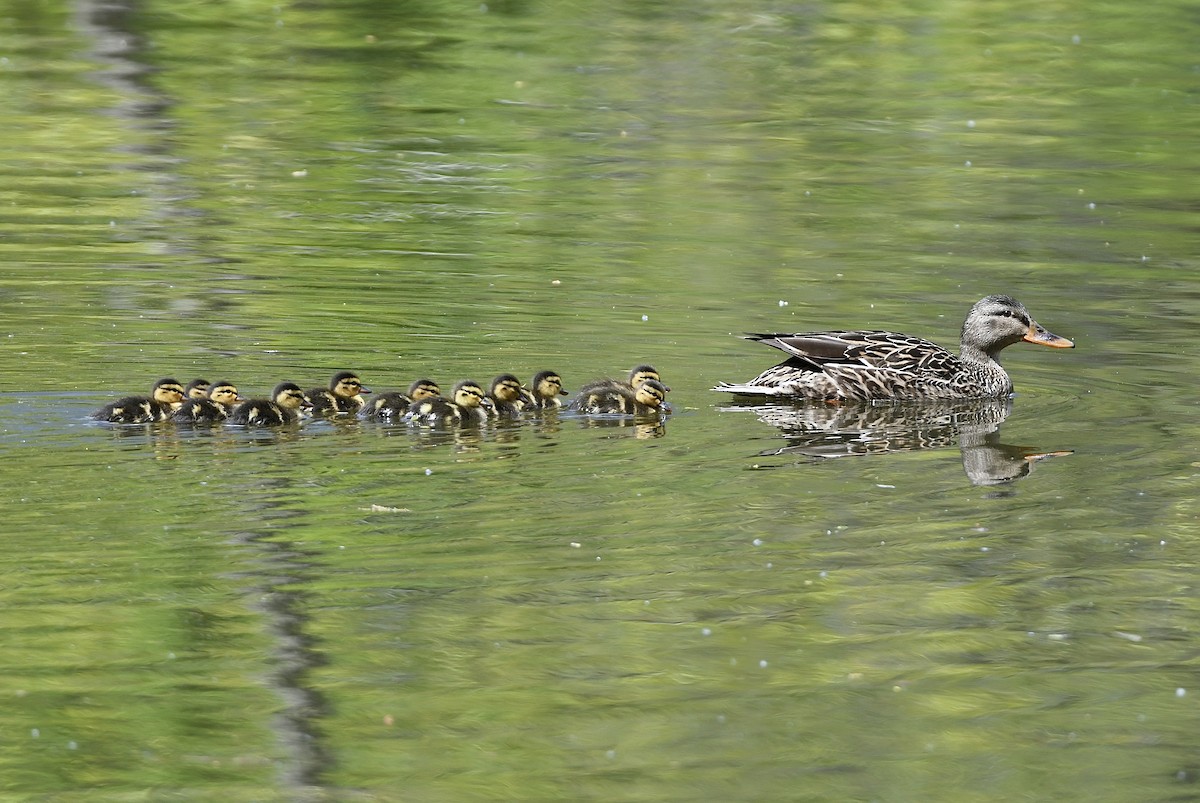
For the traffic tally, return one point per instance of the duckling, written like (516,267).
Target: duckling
(393,406)
(287,399)
(468,404)
(646,399)
(543,391)
(196,389)
(344,395)
(506,396)
(165,396)
(211,410)
(637,376)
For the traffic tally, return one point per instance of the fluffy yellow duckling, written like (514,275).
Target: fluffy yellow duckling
(221,400)
(165,396)
(506,396)
(468,404)
(544,391)
(196,389)
(344,395)
(637,376)
(284,406)
(646,399)
(395,405)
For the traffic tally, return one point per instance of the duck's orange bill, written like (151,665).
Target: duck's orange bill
(1039,336)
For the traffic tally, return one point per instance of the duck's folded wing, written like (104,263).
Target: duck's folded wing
(818,349)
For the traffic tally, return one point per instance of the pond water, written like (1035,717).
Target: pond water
(745,603)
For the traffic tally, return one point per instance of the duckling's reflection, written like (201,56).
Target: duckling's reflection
(840,430)
(465,440)
(642,427)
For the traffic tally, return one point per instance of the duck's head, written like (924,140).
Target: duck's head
(651,393)
(347,385)
(506,388)
(547,385)
(289,395)
(197,389)
(996,322)
(224,393)
(423,389)
(643,373)
(168,391)
(468,394)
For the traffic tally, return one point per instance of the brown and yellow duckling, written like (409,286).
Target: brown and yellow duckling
(344,395)
(544,391)
(468,404)
(165,396)
(646,399)
(220,402)
(616,388)
(284,406)
(395,405)
(197,389)
(506,396)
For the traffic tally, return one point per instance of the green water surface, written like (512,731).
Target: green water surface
(567,609)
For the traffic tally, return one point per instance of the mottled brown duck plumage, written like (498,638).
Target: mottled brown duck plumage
(863,365)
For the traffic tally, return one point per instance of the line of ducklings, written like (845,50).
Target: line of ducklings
(203,403)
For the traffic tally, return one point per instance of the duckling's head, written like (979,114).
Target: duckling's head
(643,373)
(506,388)
(547,385)
(290,396)
(224,393)
(996,322)
(168,391)
(468,394)
(423,389)
(651,393)
(347,385)
(197,389)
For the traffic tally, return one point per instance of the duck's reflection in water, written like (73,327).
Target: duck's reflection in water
(820,430)
(641,427)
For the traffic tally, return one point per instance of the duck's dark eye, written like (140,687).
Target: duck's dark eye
(1007,313)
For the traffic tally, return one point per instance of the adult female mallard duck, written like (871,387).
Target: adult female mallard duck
(505,393)
(196,389)
(222,397)
(544,391)
(394,406)
(468,404)
(284,406)
(645,399)
(344,395)
(863,365)
(165,396)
